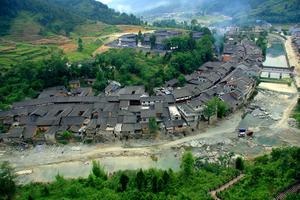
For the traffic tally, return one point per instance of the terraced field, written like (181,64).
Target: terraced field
(20,52)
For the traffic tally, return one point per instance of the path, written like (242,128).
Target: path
(225,187)
(293,58)
(283,123)
(292,190)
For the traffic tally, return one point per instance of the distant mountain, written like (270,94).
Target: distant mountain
(276,11)
(60,16)
(153,6)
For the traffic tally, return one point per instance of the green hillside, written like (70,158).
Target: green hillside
(60,16)
(276,11)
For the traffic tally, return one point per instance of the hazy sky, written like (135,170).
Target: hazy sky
(135,6)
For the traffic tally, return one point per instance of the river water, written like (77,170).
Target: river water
(276,56)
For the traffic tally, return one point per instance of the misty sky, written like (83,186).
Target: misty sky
(136,6)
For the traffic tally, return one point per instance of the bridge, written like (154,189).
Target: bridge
(269,72)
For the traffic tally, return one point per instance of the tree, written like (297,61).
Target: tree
(262,42)
(67,135)
(80,45)
(101,82)
(160,185)
(154,184)
(239,164)
(152,41)
(194,22)
(140,36)
(7,181)
(222,108)
(215,107)
(140,180)
(166,178)
(153,127)
(210,109)
(187,164)
(98,170)
(181,80)
(124,179)
(45,192)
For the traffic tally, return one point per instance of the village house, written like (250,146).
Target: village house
(112,87)
(129,40)
(124,113)
(188,114)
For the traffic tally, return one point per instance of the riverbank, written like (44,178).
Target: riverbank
(293,59)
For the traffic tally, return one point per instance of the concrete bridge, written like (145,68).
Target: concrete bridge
(269,72)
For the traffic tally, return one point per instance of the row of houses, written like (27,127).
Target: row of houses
(131,40)
(124,113)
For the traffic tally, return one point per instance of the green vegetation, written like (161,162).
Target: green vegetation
(153,126)
(26,79)
(7,181)
(80,45)
(239,164)
(130,67)
(287,81)
(215,107)
(93,29)
(12,54)
(296,114)
(267,175)
(262,42)
(98,171)
(152,41)
(169,23)
(89,45)
(101,82)
(60,17)
(67,135)
(187,165)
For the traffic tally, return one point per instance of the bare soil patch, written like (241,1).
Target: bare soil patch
(132,29)
(101,49)
(58,40)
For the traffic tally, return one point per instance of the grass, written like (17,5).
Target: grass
(24,52)
(94,29)
(296,113)
(279,81)
(89,46)
(25,27)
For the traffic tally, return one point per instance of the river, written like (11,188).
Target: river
(276,56)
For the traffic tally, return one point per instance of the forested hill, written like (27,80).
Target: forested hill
(274,11)
(60,16)
(96,10)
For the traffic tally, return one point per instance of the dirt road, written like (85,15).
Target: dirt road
(293,59)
